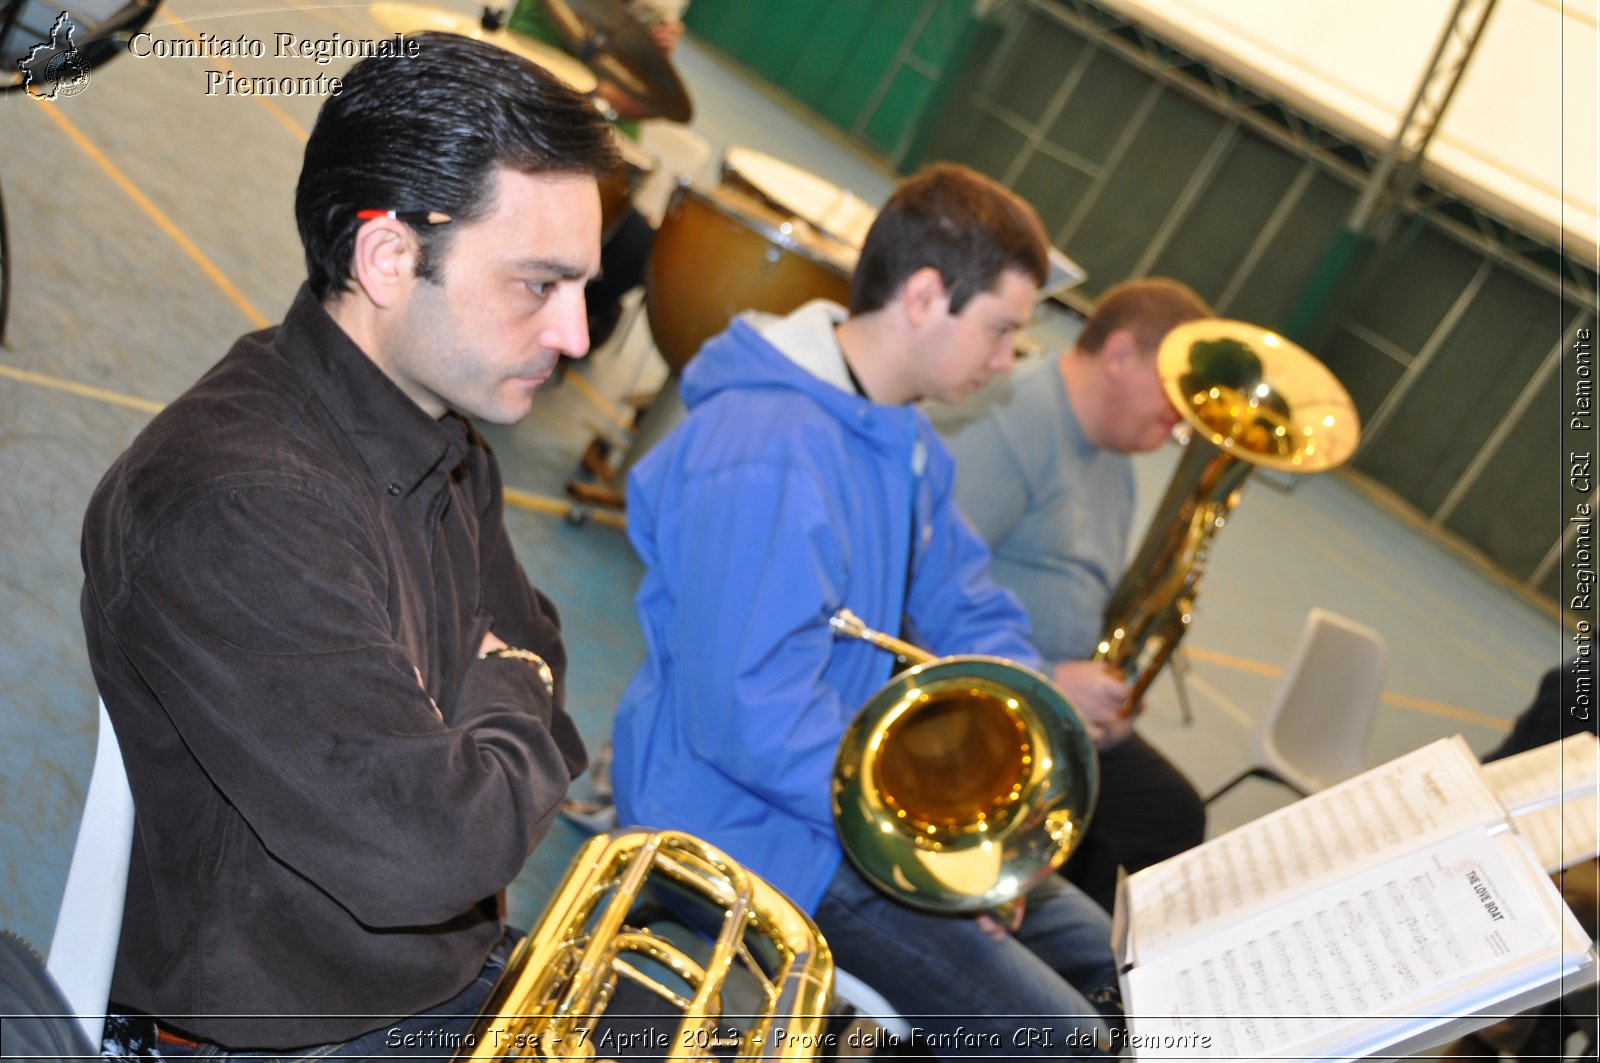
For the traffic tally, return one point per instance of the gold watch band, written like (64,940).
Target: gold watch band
(533,660)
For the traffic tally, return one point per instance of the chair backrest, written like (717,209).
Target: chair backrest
(868,1002)
(1315,733)
(89,923)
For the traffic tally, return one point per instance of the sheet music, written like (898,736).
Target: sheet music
(1431,792)
(1547,774)
(1433,934)
(1561,835)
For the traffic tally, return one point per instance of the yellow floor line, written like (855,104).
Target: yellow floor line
(164,223)
(1238,664)
(535,503)
(593,394)
(278,113)
(1404,701)
(560,507)
(1451,712)
(87,391)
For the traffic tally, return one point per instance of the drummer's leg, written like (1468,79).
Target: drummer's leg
(622,266)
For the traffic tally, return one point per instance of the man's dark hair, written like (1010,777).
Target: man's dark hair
(1149,307)
(968,227)
(430,133)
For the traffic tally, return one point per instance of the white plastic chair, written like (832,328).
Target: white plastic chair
(869,1003)
(89,923)
(1314,734)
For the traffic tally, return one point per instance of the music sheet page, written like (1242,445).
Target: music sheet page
(1432,792)
(1547,774)
(1561,835)
(1434,934)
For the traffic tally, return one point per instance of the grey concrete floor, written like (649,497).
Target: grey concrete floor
(151,225)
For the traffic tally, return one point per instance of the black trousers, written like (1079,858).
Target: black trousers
(623,261)
(1147,812)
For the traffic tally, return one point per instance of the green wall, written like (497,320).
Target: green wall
(873,68)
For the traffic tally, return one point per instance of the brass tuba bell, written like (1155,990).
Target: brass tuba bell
(1250,398)
(963,781)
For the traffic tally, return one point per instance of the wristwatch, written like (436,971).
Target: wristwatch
(533,661)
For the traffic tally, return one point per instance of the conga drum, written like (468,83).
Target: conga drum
(718,253)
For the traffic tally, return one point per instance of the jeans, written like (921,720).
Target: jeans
(436,1033)
(1048,990)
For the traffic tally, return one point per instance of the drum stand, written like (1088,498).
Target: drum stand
(652,422)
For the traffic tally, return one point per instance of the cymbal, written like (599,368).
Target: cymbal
(419,18)
(618,47)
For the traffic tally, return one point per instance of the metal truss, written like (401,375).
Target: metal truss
(1404,185)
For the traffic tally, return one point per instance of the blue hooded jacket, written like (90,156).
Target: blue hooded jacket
(779,499)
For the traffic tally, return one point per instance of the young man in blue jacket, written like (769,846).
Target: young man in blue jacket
(803,481)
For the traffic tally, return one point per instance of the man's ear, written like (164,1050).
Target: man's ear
(385,259)
(923,296)
(1119,353)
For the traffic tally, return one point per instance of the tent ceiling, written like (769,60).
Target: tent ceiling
(1520,135)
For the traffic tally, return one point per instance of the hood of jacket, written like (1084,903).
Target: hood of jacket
(796,352)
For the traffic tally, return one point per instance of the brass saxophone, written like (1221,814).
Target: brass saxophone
(1250,399)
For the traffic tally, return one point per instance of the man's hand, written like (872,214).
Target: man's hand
(491,641)
(1098,693)
(666,32)
(1000,923)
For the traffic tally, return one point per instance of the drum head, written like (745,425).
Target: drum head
(787,188)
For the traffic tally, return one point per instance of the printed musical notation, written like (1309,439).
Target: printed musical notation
(1387,910)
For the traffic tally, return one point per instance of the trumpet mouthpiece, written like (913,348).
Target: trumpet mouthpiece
(847,624)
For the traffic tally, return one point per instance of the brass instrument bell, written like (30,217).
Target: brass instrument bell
(1250,398)
(963,781)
